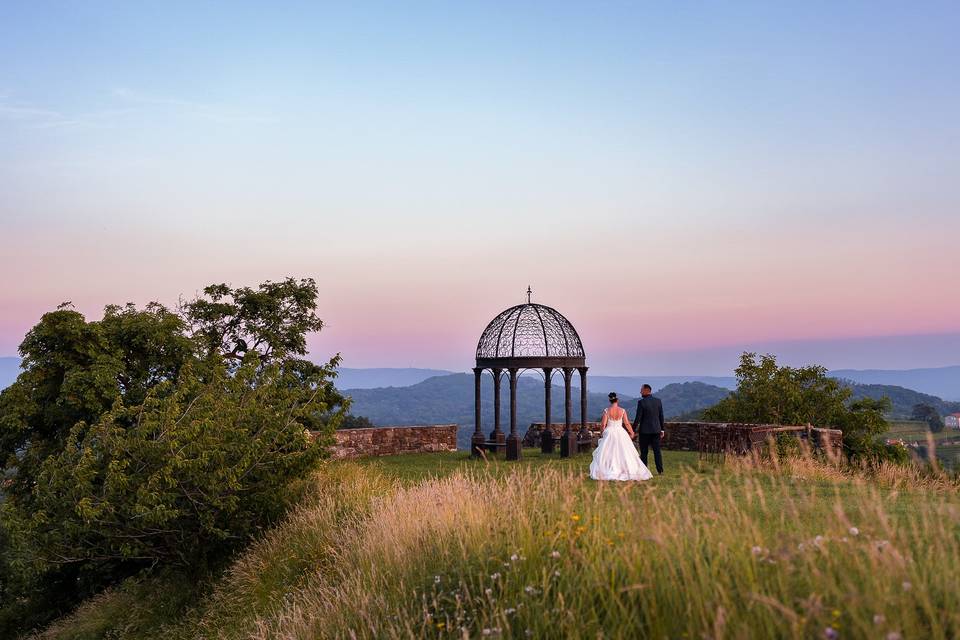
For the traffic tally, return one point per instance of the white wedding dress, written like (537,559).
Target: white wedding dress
(615,457)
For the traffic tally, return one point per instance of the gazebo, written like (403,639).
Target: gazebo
(528,336)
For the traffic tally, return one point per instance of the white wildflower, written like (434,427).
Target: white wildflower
(854,531)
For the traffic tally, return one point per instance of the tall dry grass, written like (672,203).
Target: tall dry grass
(772,548)
(743,553)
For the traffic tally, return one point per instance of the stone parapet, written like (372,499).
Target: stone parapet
(388,441)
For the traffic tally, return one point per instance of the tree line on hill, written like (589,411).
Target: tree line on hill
(450,399)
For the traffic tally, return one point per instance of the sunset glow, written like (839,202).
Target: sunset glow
(680,185)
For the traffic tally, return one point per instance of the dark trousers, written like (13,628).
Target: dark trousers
(646,441)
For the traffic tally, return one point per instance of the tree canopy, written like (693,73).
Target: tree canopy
(158,437)
(771,394)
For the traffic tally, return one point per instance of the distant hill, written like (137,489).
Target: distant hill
(903,399)
(384,377)
(631,384)
(449,398)
(9,370)
(943,382)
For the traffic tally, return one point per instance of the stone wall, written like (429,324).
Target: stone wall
(687,436)
(387,441)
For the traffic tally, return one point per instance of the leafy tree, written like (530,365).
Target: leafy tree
(148,438)
(74,371)
(200,463)
(272,320)
(930,415)
(770,394)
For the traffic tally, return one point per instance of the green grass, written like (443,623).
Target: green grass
(439,545)
(913,431)
(415,468)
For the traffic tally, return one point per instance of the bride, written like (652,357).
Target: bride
(615,457)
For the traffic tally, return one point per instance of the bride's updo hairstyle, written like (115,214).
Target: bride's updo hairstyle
(612,396)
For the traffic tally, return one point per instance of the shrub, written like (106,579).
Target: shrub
(156,439)
(770,394)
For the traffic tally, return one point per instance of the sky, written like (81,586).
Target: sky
(682,181)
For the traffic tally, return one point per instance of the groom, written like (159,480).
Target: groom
(649,425)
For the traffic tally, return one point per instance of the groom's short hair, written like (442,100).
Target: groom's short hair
(647,387)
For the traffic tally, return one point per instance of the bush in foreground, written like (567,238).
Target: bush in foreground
(153,439)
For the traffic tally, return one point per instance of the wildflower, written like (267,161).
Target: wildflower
(530,590)
(756,551)
(495,576)
(554,554)
(854,531)
(906,585)
(441,625)
(801,547)
(510,611)
(879,618)
(514,558)
(486,632)
(575,517)
(488,591)
(830,633)
(506,564)
(436,579)
(818,540)
(556,574)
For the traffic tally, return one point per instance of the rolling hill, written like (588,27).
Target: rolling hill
(384,377)
(943,382)
(450,399)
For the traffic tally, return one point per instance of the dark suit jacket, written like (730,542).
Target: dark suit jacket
(649,416)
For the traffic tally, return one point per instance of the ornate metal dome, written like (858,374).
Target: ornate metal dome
(530,332)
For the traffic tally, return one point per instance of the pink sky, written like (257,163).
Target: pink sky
(681,184)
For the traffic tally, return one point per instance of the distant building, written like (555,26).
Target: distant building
(952,421)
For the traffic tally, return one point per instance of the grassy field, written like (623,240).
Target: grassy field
(911,431)
(441,546)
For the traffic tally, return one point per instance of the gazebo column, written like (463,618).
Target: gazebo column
(546,438)
(476,443)
(584,430)
(497,436)
(513,440)
(568,442)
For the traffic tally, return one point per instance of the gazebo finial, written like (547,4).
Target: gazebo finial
(529,293)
